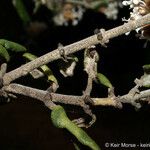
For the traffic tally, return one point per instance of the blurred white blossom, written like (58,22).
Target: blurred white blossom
(69,13)
(111,11)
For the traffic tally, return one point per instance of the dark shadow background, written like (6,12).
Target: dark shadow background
(25,123)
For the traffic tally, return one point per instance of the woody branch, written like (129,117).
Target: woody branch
(48,98)
(72,48)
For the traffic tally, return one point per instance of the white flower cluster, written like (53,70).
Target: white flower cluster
(111,11)
(76,13)
(133,3)
(63,12)
(137,10)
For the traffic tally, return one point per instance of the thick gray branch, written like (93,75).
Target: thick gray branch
(42,95)
(72,48)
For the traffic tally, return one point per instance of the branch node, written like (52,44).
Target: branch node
(138,82)
(88,111)
(87,100)
(48,101)
(118,103)
(62,52)
(52,88)
(80,122)
(111,92)
(134,91)
(101,36)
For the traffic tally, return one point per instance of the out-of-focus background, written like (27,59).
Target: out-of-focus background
(25,123)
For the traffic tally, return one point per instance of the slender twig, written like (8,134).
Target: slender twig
(47,98)
(141,96)
(3,69)
(72,48)
(89,86)
(2,73)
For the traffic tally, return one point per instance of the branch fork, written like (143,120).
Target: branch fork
(50,98)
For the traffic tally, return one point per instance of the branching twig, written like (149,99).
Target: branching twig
(73,100)
(49,99)
(30,92)
(72,48)
(91,58)
(88,87)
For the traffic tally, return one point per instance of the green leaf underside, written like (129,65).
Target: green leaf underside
(104,80)
(60,120)
(45,69)
(4,53)
(12,46)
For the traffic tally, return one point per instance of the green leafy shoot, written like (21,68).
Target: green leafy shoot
(12,46)
(60,120)
(3,53)
(104,80)
(21,10)
(45,69)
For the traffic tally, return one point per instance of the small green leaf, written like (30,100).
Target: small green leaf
(97,3)
(49,73)
(60,120)
(21,10)
(104,80)
(146,68)
(29,56)
(12,46)
(59,117)
(45,69)
(4,53)
(76,146)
